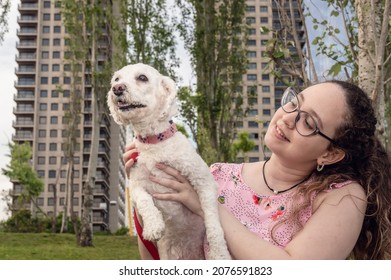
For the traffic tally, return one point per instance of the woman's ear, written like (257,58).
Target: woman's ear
(333,156)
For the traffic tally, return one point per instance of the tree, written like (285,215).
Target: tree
(218,55)
(5,6)
(356,46)
(21,170)
(90,23)
(151,35)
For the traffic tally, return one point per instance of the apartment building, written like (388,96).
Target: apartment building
(262,92)
(40,119)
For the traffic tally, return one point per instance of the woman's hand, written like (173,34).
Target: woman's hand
(184,191)
(130,157)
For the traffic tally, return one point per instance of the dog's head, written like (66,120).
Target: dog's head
(139,93)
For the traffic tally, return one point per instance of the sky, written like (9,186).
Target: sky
(7,78)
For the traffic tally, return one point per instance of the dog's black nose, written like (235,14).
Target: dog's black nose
(119,89)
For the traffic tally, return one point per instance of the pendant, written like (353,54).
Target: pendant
(275,192)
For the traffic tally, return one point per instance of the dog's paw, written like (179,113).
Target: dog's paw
(154,232)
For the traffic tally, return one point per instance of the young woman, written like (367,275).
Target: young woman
(325,192)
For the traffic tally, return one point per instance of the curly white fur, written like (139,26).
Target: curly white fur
(143,98)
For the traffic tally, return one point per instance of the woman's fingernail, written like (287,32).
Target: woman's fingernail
(134,156)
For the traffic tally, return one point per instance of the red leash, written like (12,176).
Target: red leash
(148,244)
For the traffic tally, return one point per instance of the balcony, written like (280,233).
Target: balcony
(23,57)
(23,123)
(23,136)
(24,97)
(27,19)
(28,7)
(26,44)
(25,70)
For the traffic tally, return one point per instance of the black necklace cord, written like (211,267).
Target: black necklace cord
(276,191)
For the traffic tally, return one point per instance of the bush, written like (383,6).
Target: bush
(122,231)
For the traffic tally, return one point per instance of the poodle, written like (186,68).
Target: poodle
(145,99)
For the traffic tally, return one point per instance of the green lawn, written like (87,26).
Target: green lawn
(47,246)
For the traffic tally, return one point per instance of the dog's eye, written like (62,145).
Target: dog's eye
(142,78)
(116,79)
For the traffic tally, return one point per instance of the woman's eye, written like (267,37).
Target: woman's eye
(142,78)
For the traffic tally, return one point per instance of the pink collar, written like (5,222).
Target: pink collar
(153,139)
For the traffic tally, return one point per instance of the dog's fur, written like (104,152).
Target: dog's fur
(143,98)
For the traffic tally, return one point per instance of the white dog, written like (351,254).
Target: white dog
(145,99)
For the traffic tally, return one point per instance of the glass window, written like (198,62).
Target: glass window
(42,133)
(54,106)
(44,80)
(43,106)
(45,55)
(56,54)
(54,93)
(41,160)
(266,112)
(45,42)
(57,29)
(57,16)
(53,133)
(43,93)
(42,120)
(55,80)
(46,16)
(251,77)
(56,42)
(44,67)
(46,29)
(53,120)
(46,4)
(53,147)
(56,67)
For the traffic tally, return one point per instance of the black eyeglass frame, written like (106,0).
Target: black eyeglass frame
(317,130)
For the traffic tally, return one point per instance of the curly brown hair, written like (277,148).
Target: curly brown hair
(366,162)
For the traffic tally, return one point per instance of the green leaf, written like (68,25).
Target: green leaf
(335,69)
(334,13)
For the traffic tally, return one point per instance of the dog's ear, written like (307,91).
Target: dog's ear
(169,97)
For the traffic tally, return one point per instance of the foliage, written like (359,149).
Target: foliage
(5,6)
(122,231)
(151,35)
(20,169)
(216,44)
(243,144)
(22,221)
(48,246)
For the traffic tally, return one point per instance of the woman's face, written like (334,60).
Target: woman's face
(326,104)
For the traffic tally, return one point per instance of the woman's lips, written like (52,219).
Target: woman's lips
(280,134)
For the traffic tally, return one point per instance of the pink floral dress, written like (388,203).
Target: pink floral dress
(259,213)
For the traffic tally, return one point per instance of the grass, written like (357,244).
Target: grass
(47,246)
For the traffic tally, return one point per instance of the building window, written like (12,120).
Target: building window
(265,88)
(46,29)
(50,201)
(42,133)
(67,80)
(251,31)
(250,9)
(52,173)
(251,77)
(40,201)
(67,67)
(253,159)
(266,112)
(41,160)
(56,54)
(264,42)
(44,67)
(41,173)
(251,54)
(263,9)
(57,29)
(53,120)
(51,187)
(53,147)
(46,4)
(56,67)
(52,160)
(252,101)
(57,16)
(43,107)
(264,19)
(252,65)
(250,20)
(44,80)
(43,93)
(46,17)
(265,100)
(252,124)
(53,133)
(54,107)
(264,65)
(251,43)
(42,120)
(41,146)
(265,77)
(66,93)
(45,54)
(55,93)
(252,112)
(45,42)
(55,80)
(56,42)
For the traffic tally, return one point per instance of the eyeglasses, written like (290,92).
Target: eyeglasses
(305,124)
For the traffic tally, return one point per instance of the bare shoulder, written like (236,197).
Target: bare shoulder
(352,194)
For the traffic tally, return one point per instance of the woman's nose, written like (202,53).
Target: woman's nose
(289,119)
